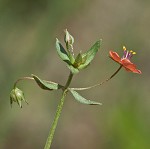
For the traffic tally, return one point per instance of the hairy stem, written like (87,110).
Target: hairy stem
(53,127)
(58,112)
(86,88)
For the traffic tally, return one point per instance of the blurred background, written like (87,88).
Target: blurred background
(28,29)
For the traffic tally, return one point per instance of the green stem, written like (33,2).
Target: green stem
(68,81)
(57,115)
(58,112)
(23,78)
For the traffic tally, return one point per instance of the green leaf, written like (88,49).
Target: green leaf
(90,54)
(62,52)
(81,99)
(46,85)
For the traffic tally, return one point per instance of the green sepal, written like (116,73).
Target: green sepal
(17,95)
(90,54)
(46,85)
(82,100)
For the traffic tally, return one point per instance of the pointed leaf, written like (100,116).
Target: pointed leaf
(90,54)
(46,85)
(81,99)
(62,52)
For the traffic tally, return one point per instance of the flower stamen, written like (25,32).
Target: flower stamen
(127,54)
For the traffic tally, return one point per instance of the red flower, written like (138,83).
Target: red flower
(125,60)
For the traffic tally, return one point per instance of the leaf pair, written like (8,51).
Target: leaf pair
(81,61)
(48,85)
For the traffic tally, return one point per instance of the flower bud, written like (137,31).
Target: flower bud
(17,95)
(78,60)
(69,40)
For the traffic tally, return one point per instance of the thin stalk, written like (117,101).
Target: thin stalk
(31,78)
(23,78)
(58,112)
(86,88)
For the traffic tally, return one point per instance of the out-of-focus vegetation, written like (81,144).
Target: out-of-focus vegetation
(28,30)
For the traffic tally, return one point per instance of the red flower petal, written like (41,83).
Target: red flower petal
(115,56)
(130,66)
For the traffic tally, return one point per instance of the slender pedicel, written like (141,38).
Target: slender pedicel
(85,88)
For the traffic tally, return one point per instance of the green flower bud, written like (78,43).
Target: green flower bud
(80,60)
(17,95)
